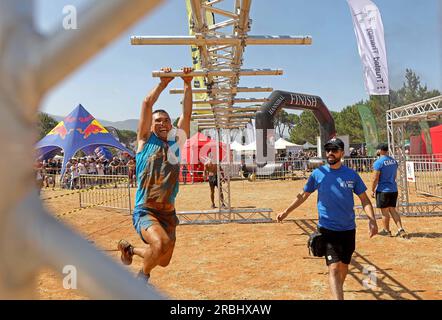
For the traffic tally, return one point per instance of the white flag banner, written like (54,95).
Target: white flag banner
(369,32)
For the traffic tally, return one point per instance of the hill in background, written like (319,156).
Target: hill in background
(130,124)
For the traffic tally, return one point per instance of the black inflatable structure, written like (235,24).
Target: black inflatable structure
(265,132)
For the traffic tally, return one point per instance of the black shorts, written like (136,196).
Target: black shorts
(213,181)
(386,199)
(339,245)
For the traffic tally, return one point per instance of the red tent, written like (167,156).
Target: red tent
(436,140)
(196,151)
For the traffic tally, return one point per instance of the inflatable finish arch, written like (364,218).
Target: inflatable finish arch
(265,131)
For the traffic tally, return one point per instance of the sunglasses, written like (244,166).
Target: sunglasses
(332,150)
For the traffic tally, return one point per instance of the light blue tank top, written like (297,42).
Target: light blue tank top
(157,170)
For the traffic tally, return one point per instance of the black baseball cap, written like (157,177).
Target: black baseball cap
(382,146)
(334,143)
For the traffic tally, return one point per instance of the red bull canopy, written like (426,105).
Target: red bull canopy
(78,131)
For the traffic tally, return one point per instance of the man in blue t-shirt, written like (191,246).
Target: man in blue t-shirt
(384,188)
(336,184)
(157,170)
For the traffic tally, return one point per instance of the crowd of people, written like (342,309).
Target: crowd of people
(355,152)
(357,160)
(358,152)
(298,155)
(48,170)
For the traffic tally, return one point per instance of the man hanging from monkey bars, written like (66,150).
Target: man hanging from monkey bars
(157,171)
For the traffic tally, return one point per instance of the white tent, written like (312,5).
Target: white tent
(308,145)
(250,147)
(236,146)
(283,144)
(240,150)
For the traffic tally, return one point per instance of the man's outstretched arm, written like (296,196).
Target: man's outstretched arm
(184,122)
(300,198)
(145,123)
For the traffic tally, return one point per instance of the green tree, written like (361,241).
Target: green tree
(293,120)
(306,129)
(280,122)
(411,91)
(285,121)
(127,137)
(348,122)
(45,124)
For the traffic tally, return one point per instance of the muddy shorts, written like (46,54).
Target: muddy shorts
(144,218)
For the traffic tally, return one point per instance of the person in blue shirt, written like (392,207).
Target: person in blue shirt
(384,189)
(336,184)
(157,170)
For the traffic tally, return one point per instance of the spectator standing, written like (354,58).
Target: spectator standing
(114,165)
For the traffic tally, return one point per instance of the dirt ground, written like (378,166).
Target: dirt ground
(267,260)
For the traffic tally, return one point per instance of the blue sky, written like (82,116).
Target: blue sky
(113,83)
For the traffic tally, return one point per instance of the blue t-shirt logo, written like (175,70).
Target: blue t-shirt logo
(349,184)
(387,167)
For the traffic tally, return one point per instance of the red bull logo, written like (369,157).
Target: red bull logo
(93,128)
(85,119)
(60,129)
(69,119)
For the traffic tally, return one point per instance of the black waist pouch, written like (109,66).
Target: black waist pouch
(316,245)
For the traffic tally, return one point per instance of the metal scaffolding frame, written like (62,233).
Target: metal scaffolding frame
(221,46)
(397,118)
(30,65)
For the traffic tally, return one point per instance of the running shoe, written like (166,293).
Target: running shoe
(127,251)
(385,233)
(401,233)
